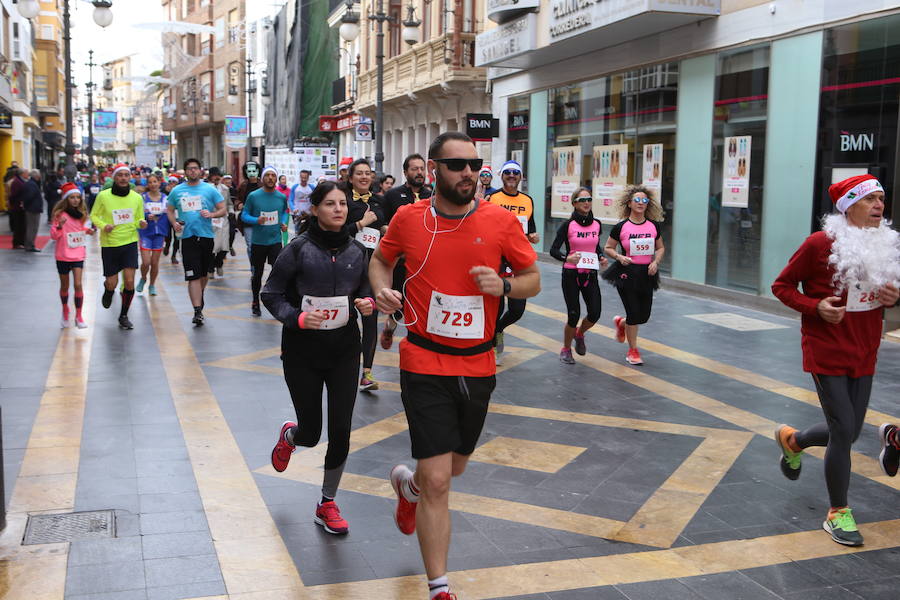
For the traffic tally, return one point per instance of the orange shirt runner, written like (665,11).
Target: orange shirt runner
(486,235)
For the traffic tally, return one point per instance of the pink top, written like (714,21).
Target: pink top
(642,249)
(583,239)
(70,246)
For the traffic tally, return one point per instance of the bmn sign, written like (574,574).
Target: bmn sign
(482,127)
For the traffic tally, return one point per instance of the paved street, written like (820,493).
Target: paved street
(593,481)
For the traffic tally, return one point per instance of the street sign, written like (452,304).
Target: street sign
(364,132)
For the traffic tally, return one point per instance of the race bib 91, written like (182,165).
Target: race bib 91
(589,260)
(122,216)
(192,204)
(460,317)
(641,247)
(336,309)
(862,297)
(368,237)
(75,239)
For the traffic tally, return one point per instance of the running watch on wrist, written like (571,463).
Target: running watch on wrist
(507,287)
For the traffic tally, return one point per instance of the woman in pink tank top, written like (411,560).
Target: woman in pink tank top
(637,246)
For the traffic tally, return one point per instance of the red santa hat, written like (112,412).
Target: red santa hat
(846,193)
(68,189)
(121,167)
(345,162)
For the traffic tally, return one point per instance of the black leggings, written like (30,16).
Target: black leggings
(515,308)
(369,337)
(305,385)
(258,258)
(586,284)
(637,302)
(844,401)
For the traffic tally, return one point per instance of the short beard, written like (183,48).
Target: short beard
(417,181)
(449,193)
(868,255)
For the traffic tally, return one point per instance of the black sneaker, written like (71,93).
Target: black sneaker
(198,319)
(254,308)
(124,323)
(890,456)
(107,298)
(842,527)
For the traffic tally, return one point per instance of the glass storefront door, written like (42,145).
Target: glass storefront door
(734,228)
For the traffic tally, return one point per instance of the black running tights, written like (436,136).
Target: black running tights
(585,284)
(515,308)
(305,385)
(844,401)
(369,337)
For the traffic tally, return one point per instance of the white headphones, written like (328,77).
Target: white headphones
(434,232)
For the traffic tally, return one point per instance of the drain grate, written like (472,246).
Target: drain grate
(68,527)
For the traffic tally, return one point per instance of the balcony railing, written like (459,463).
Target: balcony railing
(425,65)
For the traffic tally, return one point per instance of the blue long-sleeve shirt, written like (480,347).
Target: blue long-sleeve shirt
(272,205)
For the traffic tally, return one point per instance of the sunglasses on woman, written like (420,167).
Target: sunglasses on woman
(458,164)
(642,200)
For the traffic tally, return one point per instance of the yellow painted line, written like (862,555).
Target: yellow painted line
(862,464)
(252,556)
(49,472)
(873,417)
(621,569)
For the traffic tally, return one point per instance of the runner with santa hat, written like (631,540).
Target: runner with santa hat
(848,272)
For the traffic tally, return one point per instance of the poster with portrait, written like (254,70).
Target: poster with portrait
(565,178)
(652,171)
(609,175)
(736,172)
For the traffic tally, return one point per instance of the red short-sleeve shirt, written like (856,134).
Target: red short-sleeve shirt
(488,234)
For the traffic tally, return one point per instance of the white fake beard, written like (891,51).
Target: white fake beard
(868,255)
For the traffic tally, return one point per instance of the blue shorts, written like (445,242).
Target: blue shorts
(152,242)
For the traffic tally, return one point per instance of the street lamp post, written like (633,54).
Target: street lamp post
(349,31)
(90,91)
(30,9)
(251,92)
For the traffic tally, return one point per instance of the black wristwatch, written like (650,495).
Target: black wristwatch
(507,287)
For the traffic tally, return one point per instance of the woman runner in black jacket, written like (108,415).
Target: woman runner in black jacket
(317,286)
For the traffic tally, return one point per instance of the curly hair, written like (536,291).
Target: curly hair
(654,210)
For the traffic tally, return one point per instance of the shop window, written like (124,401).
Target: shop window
(859,108)
(602,134)
(518,117)
(734,226)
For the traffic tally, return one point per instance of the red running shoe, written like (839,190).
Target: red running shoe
(620,328)
(328,515)
(282,451)
(633,357)
(445,596)
(405,514)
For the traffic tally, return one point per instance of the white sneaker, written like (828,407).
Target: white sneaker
(220,272)
(63,323)
(80,324)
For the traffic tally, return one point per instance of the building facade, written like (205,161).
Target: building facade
(207,71)
(739,113)
(49,85)
(429,86)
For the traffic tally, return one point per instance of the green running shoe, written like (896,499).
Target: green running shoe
(790,460)
(842,527)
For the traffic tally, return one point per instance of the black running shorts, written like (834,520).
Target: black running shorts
(64,267)
(117,258)
(445,413)
(196,256)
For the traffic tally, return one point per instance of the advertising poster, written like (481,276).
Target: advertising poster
(736,172)
(105,123)
(564,180)
(652,172)
(609,176)
(236,132)
(318,160)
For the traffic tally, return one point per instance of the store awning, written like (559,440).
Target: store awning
(576,27)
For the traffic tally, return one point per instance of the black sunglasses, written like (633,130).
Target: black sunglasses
(458,164)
